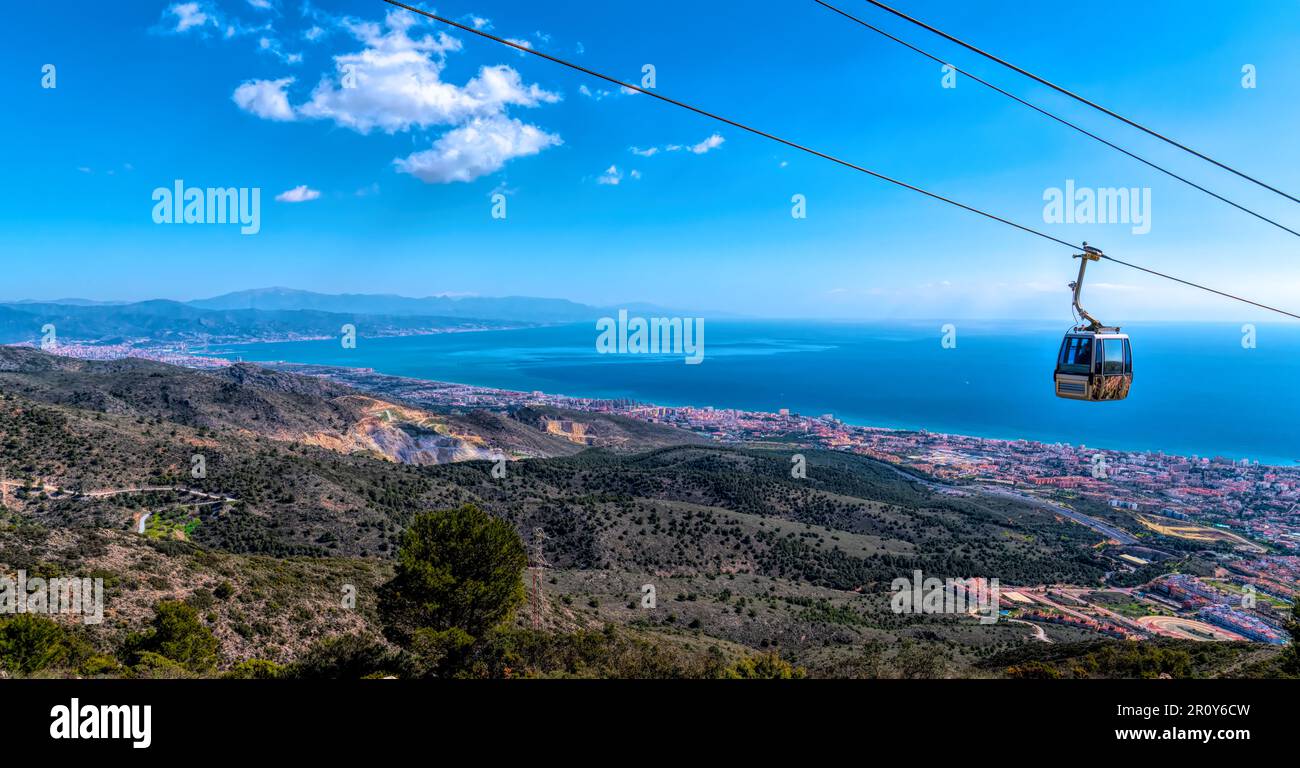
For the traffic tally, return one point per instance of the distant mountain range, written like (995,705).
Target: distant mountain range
(171,322)
(270,313)
(517,308)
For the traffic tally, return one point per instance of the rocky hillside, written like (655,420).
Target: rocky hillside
(285,407)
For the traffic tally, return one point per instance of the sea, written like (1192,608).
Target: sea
(1203,389)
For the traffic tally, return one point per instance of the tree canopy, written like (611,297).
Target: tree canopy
(456,569)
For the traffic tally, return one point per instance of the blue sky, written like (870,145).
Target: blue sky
(399,172)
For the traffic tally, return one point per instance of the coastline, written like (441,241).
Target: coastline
(226,353)
(1205,490)
(890,375)
(1281,463)
(348,375)
(1058,476)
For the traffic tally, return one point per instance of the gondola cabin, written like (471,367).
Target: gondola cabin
(1094,365)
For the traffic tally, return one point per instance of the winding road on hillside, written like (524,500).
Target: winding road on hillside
(44,488)
(215,498)
(1039,633)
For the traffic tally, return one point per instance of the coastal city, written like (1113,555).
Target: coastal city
(1155,512)
(1213,499)
(1233,522)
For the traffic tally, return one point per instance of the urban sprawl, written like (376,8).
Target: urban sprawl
(1152,510)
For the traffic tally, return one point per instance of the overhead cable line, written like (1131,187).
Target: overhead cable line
(1080,99)
(1057,118)
(802,148)
(1202,287)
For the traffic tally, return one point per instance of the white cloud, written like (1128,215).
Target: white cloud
(399,84)
(612,176)
(313,34)
(261,5)
(299,194)
(272,46)
(201,17)
(479,147)
(189,16)
(266,99)
(600,94)
(711,143)
(397,92)
(236,28)
(395,83)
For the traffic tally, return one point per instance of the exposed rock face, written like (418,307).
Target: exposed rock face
(412,436)
(412,447)
(401,434)
(574,431)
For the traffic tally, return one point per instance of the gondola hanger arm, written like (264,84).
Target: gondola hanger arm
(1089,254)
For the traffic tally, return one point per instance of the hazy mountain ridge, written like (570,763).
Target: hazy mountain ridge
(264,313)
(515,308)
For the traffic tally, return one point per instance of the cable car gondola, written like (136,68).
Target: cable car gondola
(1096,361)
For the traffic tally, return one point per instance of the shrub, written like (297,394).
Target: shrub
(178,635)
(437,653)
(30,644)
(153,666)
(255,669)
(99,665)
(768,666)
(345,657)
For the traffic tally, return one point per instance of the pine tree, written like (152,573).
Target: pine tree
(456,569)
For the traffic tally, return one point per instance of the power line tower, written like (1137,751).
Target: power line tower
(538,563)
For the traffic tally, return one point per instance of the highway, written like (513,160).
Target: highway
(1105,529)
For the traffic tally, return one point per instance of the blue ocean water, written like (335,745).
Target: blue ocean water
(1196,390)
